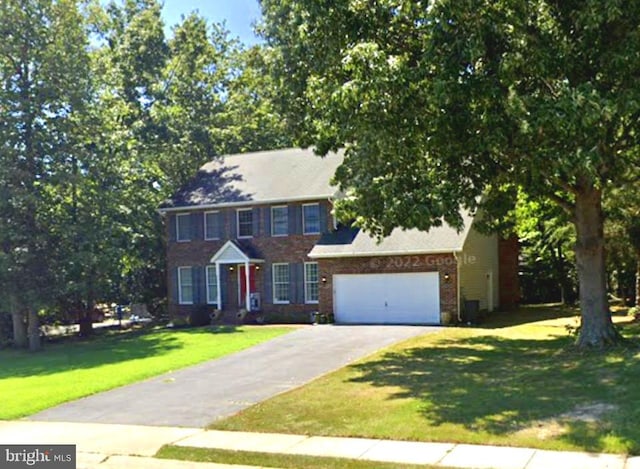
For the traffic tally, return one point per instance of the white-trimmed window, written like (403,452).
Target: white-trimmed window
(280,221)
(311,218)
(183,227)
(310,282)
(211,225)
(245,222)
(280,283)
(212,285)
(185,285)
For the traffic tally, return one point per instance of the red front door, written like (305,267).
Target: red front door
(242,280)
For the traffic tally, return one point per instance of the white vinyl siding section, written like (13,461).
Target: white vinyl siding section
(311,282)
(212,285)
(479,269)
(185,285)
(280,221)
(211,225)
(280,283)
(183,227)
(311,219)
(245,223)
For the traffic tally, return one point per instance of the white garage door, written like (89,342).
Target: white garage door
(411,298)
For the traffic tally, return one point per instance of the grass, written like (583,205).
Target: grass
(283,461)
(72,369)
(516,381)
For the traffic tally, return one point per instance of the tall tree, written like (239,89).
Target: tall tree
(43,71)
(438,102)
(546,238)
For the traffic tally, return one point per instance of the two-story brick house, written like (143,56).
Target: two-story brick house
(255,231)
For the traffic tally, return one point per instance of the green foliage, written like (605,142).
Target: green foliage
(103,118)
(547,260)
(437,105)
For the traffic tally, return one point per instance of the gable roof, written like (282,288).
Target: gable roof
(261,177)
(353,243)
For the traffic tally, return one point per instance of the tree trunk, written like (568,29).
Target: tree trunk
(638,280)
(596,329)
(34,331)
(19,329)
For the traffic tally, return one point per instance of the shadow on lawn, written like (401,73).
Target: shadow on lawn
(529,314)
(98,351)
(499,386)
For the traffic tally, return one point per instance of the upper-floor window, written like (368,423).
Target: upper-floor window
(311,282)
(281,283)
(183,227)
(185,285)
(212,225)
(311,218)
(245,223)
(279,221)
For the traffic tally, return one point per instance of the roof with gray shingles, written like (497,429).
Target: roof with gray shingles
(439,239)
(260,177)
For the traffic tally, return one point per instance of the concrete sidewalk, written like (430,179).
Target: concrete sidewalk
(101,446)
(407,452)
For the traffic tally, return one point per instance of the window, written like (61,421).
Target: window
(183,227)
(279,221)
(311,219)
(311,282)
(212,285)
(185,286)
(245,223)
(281,283)
(212,225)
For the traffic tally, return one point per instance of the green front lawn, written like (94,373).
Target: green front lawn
(517,381)
(70,370)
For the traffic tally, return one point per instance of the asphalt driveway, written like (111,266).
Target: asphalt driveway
(198,395)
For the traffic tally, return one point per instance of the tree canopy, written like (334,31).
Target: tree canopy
(103,117)
(438,104)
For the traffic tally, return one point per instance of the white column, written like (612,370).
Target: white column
(247,278)
(219,299)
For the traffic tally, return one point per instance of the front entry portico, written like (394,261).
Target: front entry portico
(233,255)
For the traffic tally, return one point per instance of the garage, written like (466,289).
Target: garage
(399,298)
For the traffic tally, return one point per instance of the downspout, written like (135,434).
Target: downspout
(458,299)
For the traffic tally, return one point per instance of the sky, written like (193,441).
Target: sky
(239,15)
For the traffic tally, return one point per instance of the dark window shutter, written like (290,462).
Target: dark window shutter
(324,228)
(223,286)
(174,286)
(300,282)
(232,219)
(171,227)
(292,217)
(295,219)
(219,225)
(198,285)
(267,295)
(267,221)
(256,221)
(296,281)
(293,291)
(197,229)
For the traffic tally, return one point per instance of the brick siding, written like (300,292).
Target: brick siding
(292,249)
(509,281)
(444,264)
